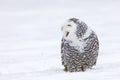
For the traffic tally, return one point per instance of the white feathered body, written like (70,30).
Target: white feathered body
(79,49)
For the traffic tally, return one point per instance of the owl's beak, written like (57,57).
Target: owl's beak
(67,33)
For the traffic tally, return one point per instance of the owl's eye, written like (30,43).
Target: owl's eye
(69,25)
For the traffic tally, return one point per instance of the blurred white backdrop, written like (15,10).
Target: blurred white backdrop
(30,19)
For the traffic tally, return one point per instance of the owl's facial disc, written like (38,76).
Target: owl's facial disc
(69,28)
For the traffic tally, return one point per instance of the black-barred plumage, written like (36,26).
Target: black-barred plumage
(80,46)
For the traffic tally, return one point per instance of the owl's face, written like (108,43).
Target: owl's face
(69,27)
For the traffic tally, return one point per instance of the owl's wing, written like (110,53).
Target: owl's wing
(92,43)
(62,45)
(62,49)
(92,48)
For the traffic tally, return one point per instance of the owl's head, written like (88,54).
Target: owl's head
(70,26)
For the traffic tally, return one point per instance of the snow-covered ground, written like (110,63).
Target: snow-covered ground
(30,35)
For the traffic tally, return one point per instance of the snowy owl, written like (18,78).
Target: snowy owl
(79,46)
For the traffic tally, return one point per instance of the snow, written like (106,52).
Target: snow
(30,35)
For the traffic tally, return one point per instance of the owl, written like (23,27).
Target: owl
(79,46)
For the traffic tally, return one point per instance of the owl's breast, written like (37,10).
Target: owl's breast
(78,44)
(75,42)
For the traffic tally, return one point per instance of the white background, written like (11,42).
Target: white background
(30,35)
